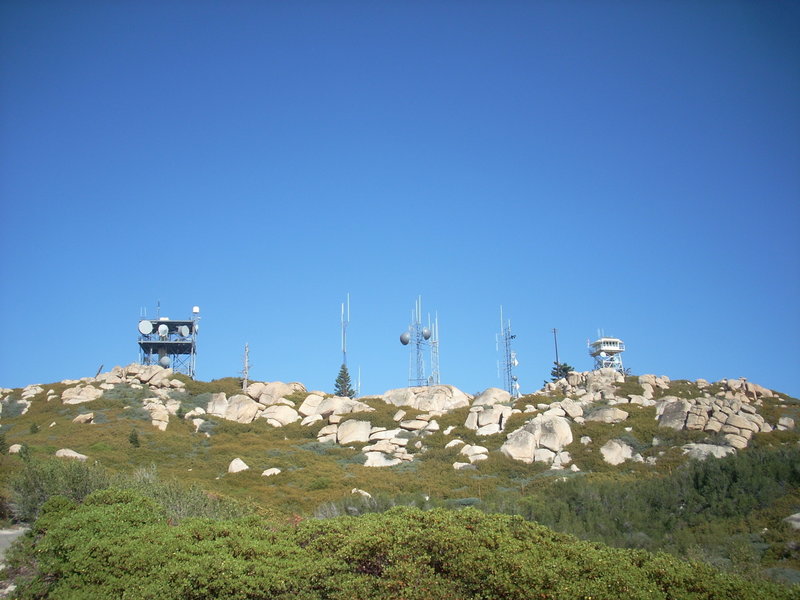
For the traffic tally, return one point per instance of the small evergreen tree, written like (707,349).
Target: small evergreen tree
(133,438)
(34,428)
(560,370)
(342,386)
(3,443)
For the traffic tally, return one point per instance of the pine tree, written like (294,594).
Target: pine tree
(343,385)
(133,438)
(560,370)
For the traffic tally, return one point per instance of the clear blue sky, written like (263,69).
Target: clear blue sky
(630,166)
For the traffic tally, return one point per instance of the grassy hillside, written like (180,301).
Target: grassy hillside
(634,505)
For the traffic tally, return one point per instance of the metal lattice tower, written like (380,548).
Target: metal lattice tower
(508,357)
(170,343)
(419,336)
(607,353)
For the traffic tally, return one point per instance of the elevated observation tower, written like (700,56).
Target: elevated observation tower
(170,343)
(607,353)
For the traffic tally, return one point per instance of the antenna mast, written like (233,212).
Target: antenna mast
(555,340)
(508,357)
(246,369)
(420,336)
(435,376)
(345,323)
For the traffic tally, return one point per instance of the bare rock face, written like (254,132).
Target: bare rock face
(279,415)
(608,415)
(273,392)
(80,394)
(242,409)
(84,418)
(310,405)
(218,405)
(671,412)
(353,430)
(548,432)
(67,453)
(492,396)
(341,405)
(271,472)
(435,398)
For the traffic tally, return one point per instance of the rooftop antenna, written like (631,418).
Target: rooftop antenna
(508,356)
(345,322)
(246,369)
(420,336)
(358,383)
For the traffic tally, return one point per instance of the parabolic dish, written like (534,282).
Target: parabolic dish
(183,330)
(145,327)
(426,333)
(164,361)
(603,354)
(405,337)
(163,329)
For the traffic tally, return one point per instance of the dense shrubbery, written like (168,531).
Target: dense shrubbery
(75,480)
(118,544)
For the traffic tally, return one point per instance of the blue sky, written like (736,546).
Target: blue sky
(626,166)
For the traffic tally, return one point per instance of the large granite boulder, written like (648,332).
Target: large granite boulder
(341,405)
(608,415)
(237,465)
(492,396)
(542,432)
(672,412)
(616,452)
(353,430)
(67,453)
(242,409)
(80,394)
(279,415)
(435,398)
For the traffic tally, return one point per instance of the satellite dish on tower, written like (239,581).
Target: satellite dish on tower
(145,327)
(195,309)
(603,354)
(426,333)
(163,330)
(183,330)
(405,338)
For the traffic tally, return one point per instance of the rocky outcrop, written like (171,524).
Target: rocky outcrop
(541,439)
(608,415)
(80,394)
(271,472)
(489,412)
(436,398)
(736,420)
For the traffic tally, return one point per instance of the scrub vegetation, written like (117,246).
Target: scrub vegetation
(169,493)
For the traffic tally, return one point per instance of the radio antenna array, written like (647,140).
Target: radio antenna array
(420,337)
(508,357)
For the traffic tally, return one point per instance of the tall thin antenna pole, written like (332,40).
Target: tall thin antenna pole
(345,322)
(246,370)
(555,340)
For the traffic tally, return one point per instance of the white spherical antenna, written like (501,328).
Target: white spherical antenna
(145,327)
(603,354)
(163,330)
(405,338)
(426,333)
(195,310)
(183,330)
(164,361)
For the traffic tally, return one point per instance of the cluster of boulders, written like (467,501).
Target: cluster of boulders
(584,397)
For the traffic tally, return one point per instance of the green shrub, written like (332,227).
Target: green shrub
(118,545)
